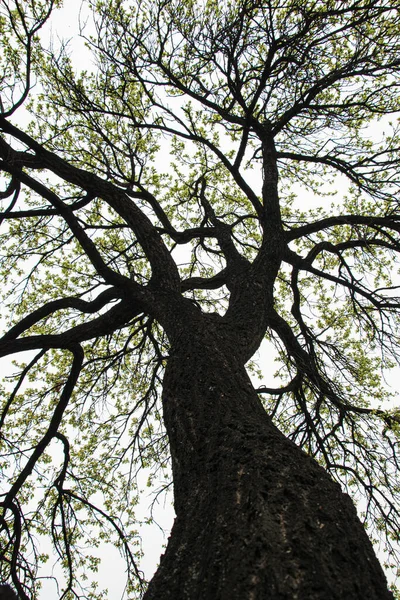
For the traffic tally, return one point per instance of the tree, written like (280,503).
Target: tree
(155,230)
(7,593)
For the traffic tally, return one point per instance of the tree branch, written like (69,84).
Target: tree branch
(63,303)
(52,429)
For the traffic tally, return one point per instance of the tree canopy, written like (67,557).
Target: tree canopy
(207,143)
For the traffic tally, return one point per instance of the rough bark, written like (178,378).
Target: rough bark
(256,517)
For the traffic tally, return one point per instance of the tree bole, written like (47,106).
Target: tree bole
(256,517)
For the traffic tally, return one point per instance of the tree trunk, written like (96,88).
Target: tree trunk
(256,517)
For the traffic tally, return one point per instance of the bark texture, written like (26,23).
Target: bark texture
(257,518)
